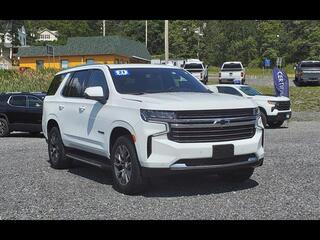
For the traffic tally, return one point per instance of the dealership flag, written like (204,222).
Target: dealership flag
(281,82)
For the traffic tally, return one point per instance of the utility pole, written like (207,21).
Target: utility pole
(166,40)
(104,27)
(146,33)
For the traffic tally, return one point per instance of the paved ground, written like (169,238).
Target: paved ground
(285,187)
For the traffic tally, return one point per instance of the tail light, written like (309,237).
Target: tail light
(242,74)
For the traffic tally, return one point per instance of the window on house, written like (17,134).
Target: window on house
(89,61)
(64,64)
(39,64)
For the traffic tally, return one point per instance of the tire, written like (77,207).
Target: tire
(275,124)
(263,118)
(56,150)
(239,175)
(4,128)
(126,170)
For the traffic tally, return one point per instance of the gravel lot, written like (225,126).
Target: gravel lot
(285,187)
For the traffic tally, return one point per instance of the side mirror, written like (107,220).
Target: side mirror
(95,93)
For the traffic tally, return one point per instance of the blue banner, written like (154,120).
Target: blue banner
(281,82)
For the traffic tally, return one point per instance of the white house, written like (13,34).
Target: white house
(47,35)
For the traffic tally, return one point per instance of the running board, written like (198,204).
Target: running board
(89,158)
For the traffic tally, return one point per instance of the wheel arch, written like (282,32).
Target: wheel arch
(4,116)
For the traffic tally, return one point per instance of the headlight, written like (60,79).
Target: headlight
(272,102)
(156,115)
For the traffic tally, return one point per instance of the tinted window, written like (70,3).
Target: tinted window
(310,65)
(74,87)
(232,66)
(34,102)
(97,78)
(55,84)
(193,66)
(155,80)
(229,90)
(19,101)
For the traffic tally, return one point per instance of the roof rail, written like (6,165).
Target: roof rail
(83,65)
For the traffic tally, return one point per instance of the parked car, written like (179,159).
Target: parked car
(232,71)
(197,69)
(20,112)
(273,110)
(307,72)
(144,120)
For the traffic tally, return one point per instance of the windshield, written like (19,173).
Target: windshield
(249,91)
(310,65)
(155,80)
(232,66)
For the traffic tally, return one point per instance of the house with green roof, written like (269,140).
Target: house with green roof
(84,50)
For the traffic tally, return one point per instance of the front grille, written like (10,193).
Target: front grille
(213,126)
(210,161)
(283,105)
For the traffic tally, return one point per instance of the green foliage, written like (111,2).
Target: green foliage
(28,81)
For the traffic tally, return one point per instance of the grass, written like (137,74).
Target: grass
(302,98)
(28,81)
(256,71)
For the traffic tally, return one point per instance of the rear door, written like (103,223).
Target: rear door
(69,110)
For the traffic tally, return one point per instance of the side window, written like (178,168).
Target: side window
(55,84)
(18,101)
(97,78)
(229,90)
(74,87)
(34,102)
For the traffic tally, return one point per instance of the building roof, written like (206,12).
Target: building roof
(91,46)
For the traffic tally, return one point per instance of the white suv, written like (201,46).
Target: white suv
(144,120)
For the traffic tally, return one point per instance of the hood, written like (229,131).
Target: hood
(269,98)
(190,101)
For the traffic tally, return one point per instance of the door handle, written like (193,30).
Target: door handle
(61,107)
(81,109)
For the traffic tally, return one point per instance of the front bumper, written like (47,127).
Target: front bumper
(281,116)
(161,153)
(209,169)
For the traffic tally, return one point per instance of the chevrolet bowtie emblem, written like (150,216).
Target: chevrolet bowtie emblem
(221,121)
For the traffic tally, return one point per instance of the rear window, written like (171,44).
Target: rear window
(310,65)
(232,66)
(55,84)
(193,66)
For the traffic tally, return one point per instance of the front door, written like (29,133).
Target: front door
(16,111)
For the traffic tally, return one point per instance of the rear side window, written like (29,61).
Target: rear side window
(97,79)
(18,101)
(310,65)
(74,87)
(55,84)
(229,90)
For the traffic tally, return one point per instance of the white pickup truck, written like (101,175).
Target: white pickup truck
(197,69)
(273,110)
(231,72)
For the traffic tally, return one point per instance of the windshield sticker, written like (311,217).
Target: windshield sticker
(121,72)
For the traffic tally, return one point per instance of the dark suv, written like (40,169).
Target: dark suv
(21,112)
